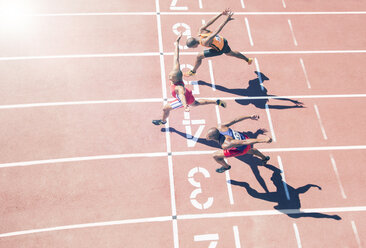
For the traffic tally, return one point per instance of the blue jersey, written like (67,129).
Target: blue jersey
(235,135)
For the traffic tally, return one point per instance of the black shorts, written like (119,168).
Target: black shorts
(213,52)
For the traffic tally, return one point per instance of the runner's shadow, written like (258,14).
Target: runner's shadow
(287,197)
(255,89)
(252,161)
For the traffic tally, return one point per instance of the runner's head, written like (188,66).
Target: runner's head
(175,76)
(192,42)
(213,134)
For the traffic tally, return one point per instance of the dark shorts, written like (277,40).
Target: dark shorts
(213,52)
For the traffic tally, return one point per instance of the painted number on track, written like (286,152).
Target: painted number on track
(198,189)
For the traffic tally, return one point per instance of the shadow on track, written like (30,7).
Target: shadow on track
(255,90)
(287,197)
(252,161)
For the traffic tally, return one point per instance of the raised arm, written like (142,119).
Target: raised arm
(238,119)
(208,40)
(176,65)
(212,20)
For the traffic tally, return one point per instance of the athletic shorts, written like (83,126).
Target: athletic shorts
(212,52)
(234,152)
(177,103)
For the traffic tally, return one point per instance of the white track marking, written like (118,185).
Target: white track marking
(266,106)
(73,56)
(292,32)
(51,104)
(337,175)
(229,189)
(144,100)
(88,225)
(200,4)
(242,4)
(320,122)
(269,212)
(249,33)
(196,13)
(283,177)
(278,97)
(270,123)
(206,237)
(107,55)
(163,154)
(189,217)
(236,237)
(298,240)
(167,134)
(283,4)
(356,234)
(210,68)
(306,75)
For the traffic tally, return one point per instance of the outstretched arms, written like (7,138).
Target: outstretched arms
(176,65)
(212,20)
(238,119)
(230,143)
(208,40)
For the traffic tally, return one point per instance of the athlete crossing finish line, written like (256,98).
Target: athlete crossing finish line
(235,143)
(217,44)
(183,96)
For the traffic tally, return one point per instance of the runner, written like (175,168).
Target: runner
(235,144)
(217,44)
(183,96)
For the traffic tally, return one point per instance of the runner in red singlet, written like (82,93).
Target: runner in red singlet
(234,143)
(183,96)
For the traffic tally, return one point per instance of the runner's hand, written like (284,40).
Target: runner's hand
(230,16)
(226,11)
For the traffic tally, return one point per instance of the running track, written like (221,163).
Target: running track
(81,165)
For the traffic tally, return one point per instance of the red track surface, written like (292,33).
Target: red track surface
(81,165)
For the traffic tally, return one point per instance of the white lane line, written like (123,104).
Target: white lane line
(306,75)
(106,55)
(189,217)
(266,106)
(269,212)
(356,234)
(283,4)
(167,134)
(195,13)
(148,100)
(242,4)
(320,122)
(88,158)
(210,68)
(78,56)
(87,225)
(298,240)
(163,154)
(49,104)
(206,237)
(200,4)
(229,189)
(236,237)
(278,97)
(283,177)
(249,33)
(292,32)
(337,175)
(270,123)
